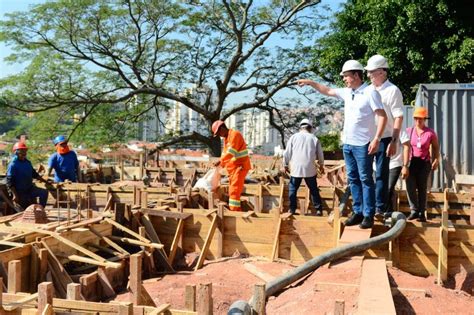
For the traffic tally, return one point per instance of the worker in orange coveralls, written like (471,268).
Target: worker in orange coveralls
(235,159)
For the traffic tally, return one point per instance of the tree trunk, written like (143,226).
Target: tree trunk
(215,147)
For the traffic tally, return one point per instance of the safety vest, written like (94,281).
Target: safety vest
(235,153)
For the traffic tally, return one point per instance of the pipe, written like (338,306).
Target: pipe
(398,225)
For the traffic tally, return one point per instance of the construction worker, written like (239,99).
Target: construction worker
(64,162)
(20,176)
(235,159)
(302,150)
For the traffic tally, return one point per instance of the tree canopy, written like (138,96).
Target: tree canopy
(132,58)
(425,41)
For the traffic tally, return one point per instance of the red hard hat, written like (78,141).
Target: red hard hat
(19,145)
(216,125)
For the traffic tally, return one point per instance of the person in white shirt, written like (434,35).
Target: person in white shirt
(398,164)
(392,99)
(303,149)
(361,137)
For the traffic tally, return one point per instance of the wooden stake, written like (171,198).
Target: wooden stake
(259,299)
(1,295)
(45,296)
(125,308)
(339,307)
(259,203)
(204,299)
(73,291)
(177,241)
(190,298)
(14,276)
(443,243)
(136,278)
(276,236)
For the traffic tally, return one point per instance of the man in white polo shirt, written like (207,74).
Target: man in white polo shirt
(361,137)
(392,99)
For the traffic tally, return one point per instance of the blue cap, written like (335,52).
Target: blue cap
(59,139)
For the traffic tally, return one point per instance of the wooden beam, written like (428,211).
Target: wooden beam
(93,261)
(204,299)
(125,308)
(207,243)
(15,305)
(166,214)
(14,276)
(136,242)
(79,224)
(258,273)
(160,255)
(107,288)
(178,235)
(45,296)
(471,217)
(109,242)
(339,307)
(127,230)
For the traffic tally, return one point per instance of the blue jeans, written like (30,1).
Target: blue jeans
(382,163)
(359,174)
(312,184)
(28,198)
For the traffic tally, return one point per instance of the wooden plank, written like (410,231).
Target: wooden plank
(109,242)
(207,243)
(339,307)
(471,215)
(127,230)
(220,230)
(73,291)
(190,298)
(14,276)
(258,273)
(107,288)
(353,234)
(134,242)
(93,261)
(176,240)
(160,255)
(21,302)
(375,295)
(276,238)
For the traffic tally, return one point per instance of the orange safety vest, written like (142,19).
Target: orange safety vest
(235,153)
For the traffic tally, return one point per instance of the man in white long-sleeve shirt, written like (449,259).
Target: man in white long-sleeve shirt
(302,150)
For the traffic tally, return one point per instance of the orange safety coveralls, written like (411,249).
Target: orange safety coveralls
(235,159)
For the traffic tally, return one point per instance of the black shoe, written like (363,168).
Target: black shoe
(379,213)
(367,223)
(421,217)
(319,213)
(354,219)
(293,212)
(413,216)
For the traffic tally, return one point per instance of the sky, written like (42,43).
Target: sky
(9,6)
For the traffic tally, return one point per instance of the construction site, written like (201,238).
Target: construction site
(160,246)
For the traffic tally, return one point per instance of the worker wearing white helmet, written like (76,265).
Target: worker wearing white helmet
(361,137)
(392,99)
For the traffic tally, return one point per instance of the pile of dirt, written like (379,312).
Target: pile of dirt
(317,294)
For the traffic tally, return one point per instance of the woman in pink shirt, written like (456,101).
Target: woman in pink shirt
(424,148)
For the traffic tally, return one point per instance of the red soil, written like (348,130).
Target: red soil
(231,282)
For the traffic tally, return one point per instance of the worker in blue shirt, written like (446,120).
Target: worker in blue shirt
(20,176)
(64,162)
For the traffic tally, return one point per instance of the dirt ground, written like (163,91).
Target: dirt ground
(316,294)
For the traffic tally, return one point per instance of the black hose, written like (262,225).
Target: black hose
(398,224)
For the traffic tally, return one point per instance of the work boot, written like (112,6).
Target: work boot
(367,223)
(319,213)
(293,212)
(387,215)
(421,217)
(354,219)
(379,213)
(413,216)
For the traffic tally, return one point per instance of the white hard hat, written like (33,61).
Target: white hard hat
(306,122)
(351,65)
(376,62)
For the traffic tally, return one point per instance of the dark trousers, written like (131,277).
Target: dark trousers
(312,184)
(382,164)
(392,181)
(28,198)
(417,182)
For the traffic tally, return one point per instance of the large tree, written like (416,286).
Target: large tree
(89,54)
(425,41)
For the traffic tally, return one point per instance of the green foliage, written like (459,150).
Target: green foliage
(425,41)
(330,142)
(92,57)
